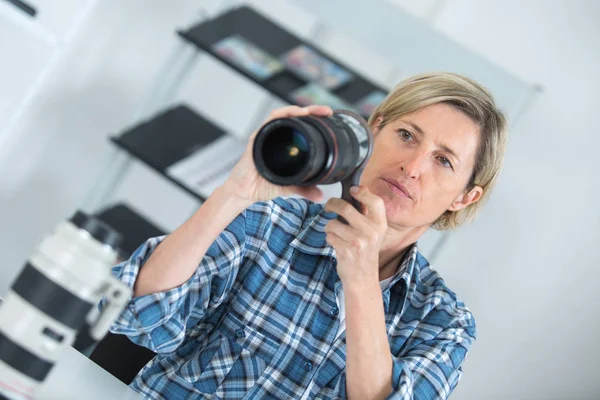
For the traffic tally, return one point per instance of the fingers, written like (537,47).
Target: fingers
(372,204)
(362,231)
(297,111)
(319,110)
(294,111)
(340,230)
(334,240)
(373,208)
(347,211)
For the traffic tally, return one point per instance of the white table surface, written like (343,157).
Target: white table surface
(77,377)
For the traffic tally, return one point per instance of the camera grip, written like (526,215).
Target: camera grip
(352,180)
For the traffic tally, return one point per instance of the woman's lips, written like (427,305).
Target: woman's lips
(397,189)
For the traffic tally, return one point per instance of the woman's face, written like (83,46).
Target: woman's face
(421,165)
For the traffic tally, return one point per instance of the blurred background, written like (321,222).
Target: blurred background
(105,105)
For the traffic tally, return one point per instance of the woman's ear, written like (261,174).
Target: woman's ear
(465,199)
(376,125)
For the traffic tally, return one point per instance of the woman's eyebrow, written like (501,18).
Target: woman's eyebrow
(415,127)
(449,151)
(443,147)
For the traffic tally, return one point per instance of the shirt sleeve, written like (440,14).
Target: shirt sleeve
(431,370)
(159,320)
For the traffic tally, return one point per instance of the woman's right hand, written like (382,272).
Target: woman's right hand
(246,183)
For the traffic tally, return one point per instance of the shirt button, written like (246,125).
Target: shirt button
(334,311)
(240,333)
(308,366)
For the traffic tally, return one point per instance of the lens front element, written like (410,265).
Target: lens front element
(287,152)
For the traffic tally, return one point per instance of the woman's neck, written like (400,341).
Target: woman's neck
(395,245)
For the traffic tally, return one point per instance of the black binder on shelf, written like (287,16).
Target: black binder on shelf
(168,138)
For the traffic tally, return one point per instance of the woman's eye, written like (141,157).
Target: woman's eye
(445,162)
(405,135)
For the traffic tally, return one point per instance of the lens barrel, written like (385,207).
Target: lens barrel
(312,150)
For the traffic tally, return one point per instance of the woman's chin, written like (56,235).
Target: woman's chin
(395,206)
(394,209)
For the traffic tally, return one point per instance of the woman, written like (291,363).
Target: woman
(266,296)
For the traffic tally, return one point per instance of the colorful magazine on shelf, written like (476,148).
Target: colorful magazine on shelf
(249,57)
(311,66)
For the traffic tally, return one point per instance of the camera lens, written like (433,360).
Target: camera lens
(312,150)
(286,152)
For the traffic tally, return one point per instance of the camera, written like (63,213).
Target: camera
(53,301)
(311,150)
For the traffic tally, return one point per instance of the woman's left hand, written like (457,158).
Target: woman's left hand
(357,244)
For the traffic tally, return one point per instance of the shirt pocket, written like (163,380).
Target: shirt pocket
(229,360)
(253,349)
(257,339)
(196,372)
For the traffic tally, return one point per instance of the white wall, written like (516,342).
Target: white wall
(527,267)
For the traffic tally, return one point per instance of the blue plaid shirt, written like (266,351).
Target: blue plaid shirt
(259,317)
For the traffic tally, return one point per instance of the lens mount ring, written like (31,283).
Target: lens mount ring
(367,128)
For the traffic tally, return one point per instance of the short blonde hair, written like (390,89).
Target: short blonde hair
(477,103)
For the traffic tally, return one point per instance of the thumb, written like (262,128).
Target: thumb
(372,205)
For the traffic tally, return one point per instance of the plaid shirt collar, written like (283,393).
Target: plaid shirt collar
(311,240)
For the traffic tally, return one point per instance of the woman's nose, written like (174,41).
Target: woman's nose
(413,166)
